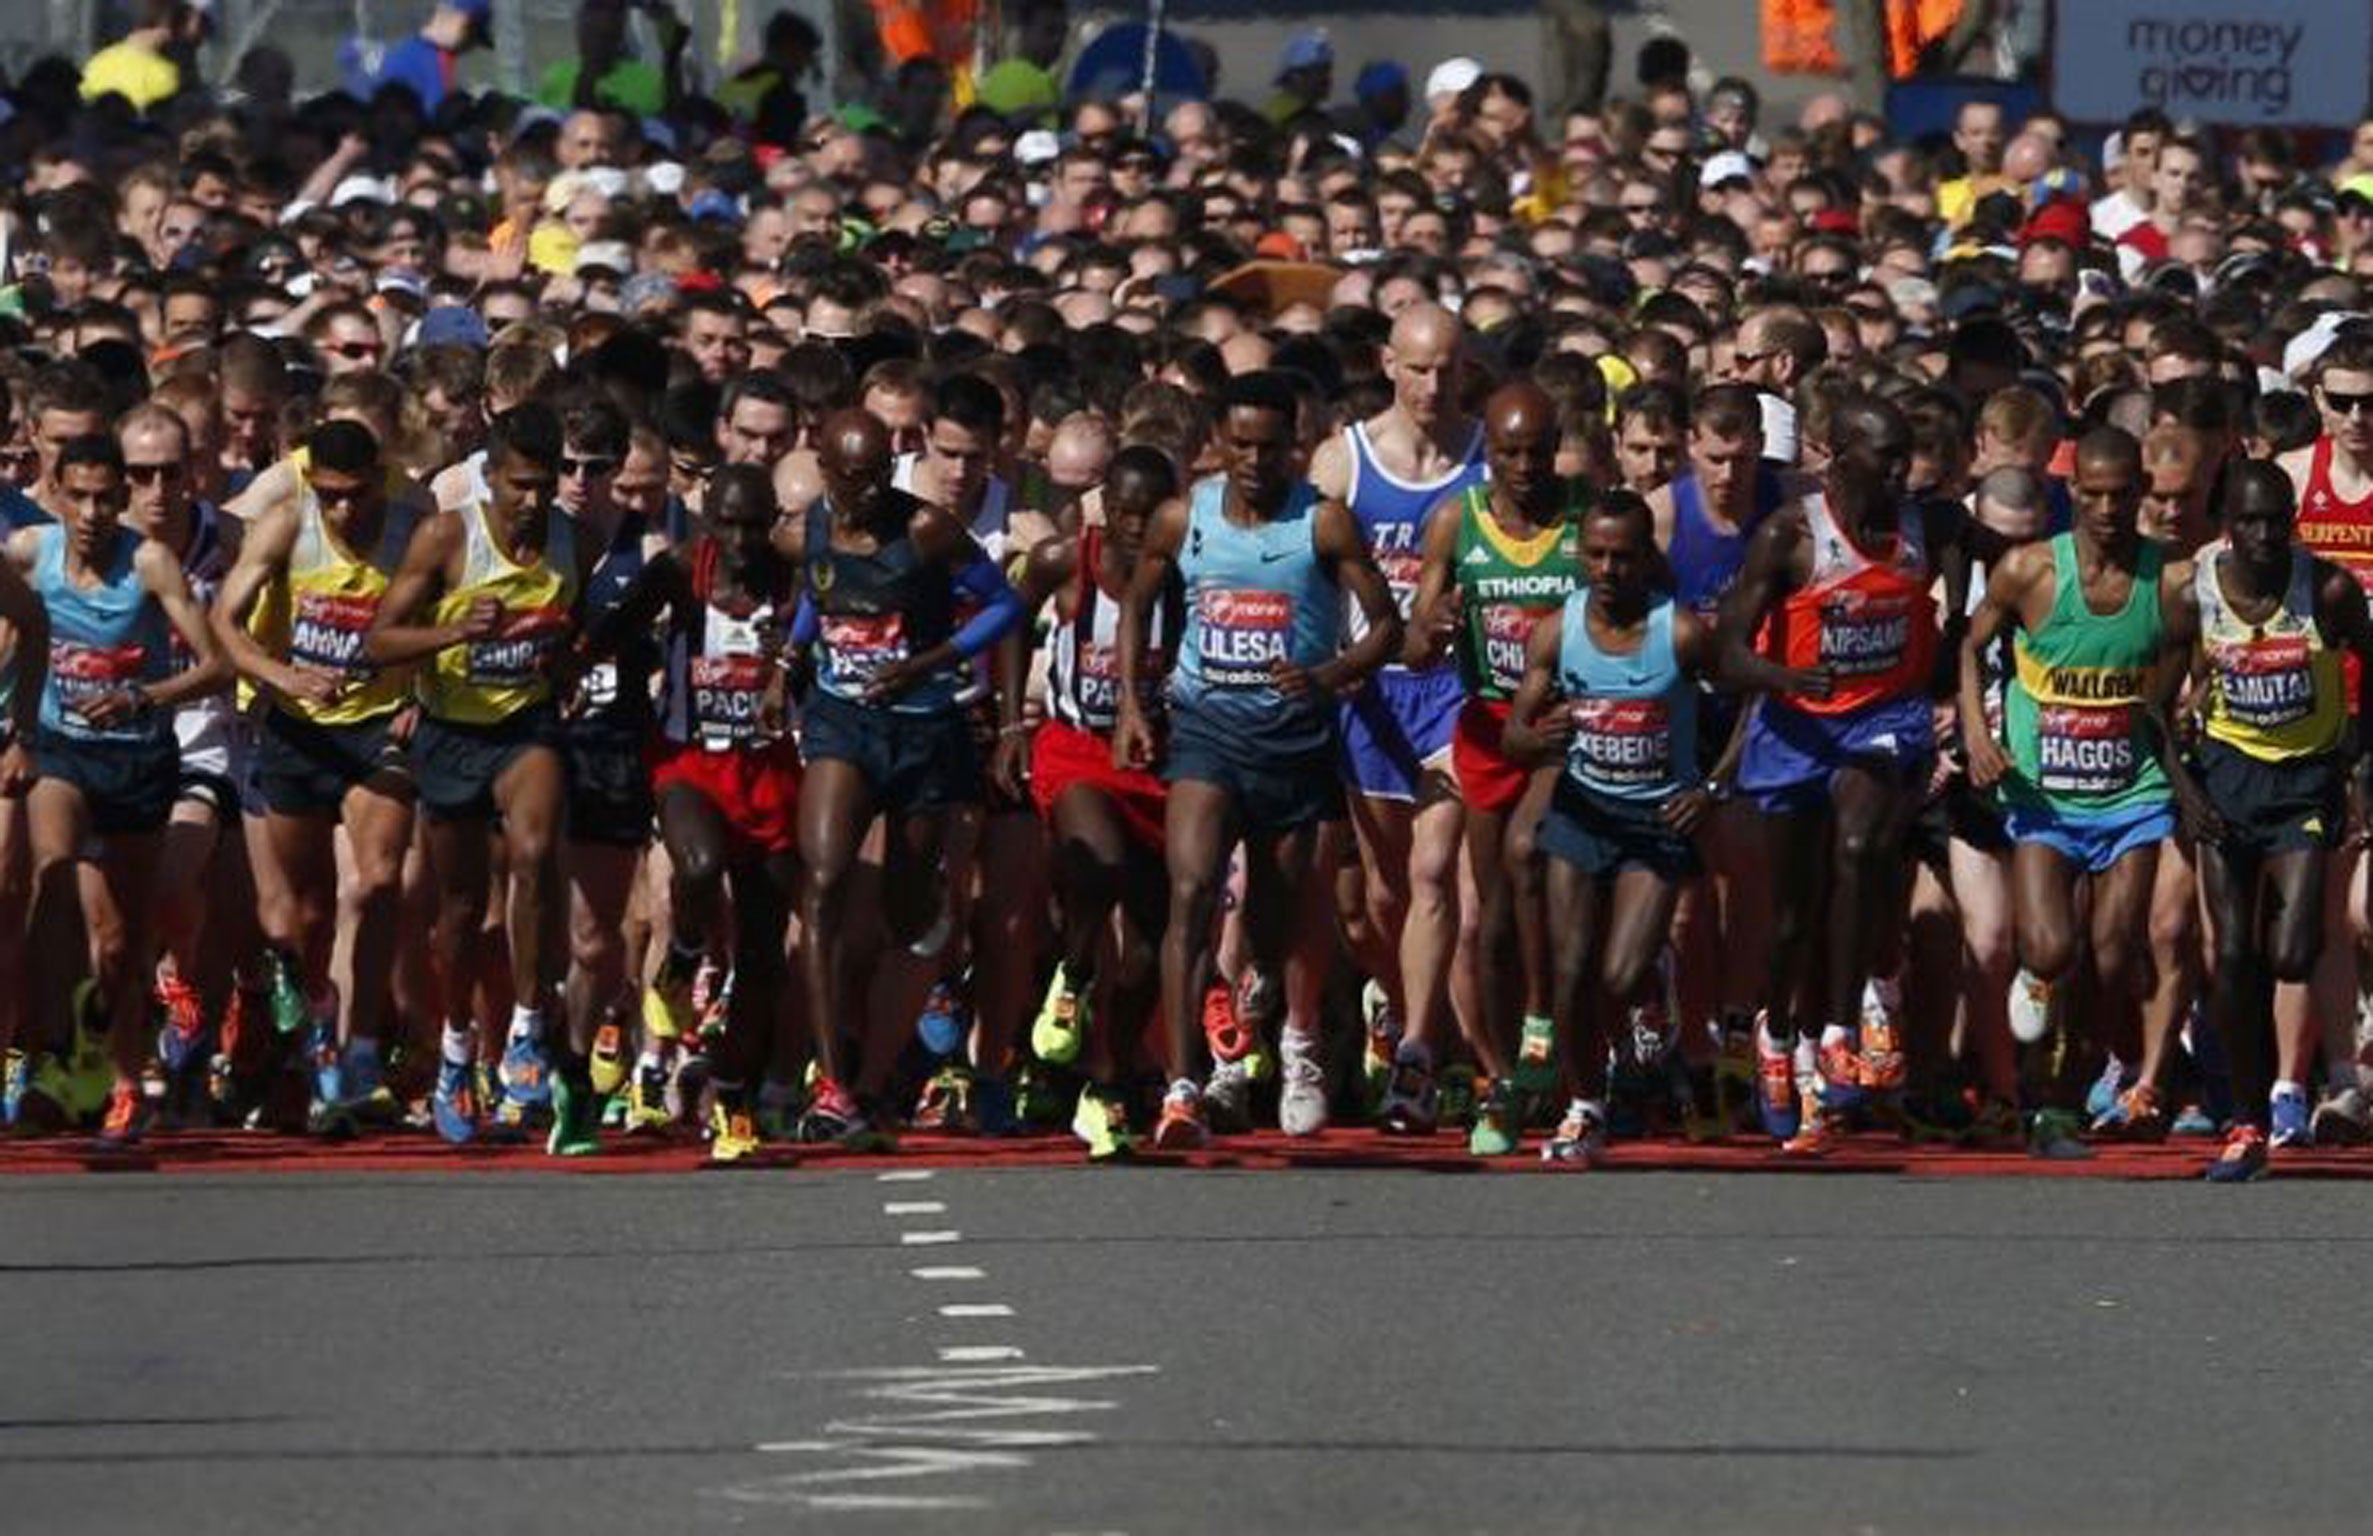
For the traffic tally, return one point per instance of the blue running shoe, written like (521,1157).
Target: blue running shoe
(946,1020)
(2291,1113)
(454,1105)
(321,1053)
(2102,1097)
(526,1073)
(1776,1099)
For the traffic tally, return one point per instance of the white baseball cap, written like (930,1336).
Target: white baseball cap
(1730,165)
(1453,76)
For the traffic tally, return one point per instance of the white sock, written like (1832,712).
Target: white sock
(1301,1039)
(1833,1034)
(457,1048)
(527,1024)
(2284,1086)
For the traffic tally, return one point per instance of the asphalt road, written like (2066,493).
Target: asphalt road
(1159,1350)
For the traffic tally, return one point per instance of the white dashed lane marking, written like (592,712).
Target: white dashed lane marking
(948,1272)
(928,1239)
(974,1354)
(903,1176)
(976,1309)
(914,1207)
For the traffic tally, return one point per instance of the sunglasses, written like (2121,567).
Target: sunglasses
(2347,405)
(151,474)
(591,469)
(355,349)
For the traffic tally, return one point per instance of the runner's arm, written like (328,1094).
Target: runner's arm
(1132,737)
(658,588)
(2174,664)
(1762,582)
(1997,611)
(1433,612)
(1532,737)
(393,638)
(22,610)
(160,571)
(1337,539)
(271,535)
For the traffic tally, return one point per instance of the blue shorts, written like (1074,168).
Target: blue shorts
(1602,835)
(1398,726)
(1792,756)
(1273,790)
(2092,843)
(911,762)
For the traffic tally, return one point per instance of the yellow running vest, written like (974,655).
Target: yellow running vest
(485,682)
(315,613)
(2274,688)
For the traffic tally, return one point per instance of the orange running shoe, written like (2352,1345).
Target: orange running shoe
(1223,1028)
(1182,1127)
(1882,1057)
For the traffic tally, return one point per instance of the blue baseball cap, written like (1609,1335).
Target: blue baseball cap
(1306,50)
(1377,78)
(451,325)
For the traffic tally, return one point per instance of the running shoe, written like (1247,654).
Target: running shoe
(1456,1106)
(90,1070)
(1580,1140)
(1536,1056)
(1035,1095)
(1412,1101)
(609,1063)
(285,993)
(2241,1159)
(2030,1007)
(454,1105)
(37,1092)
(2056,1135)
(2343,1119)
(1101,1121)
(1227,1098)
(2289,1113)
(181,1035)
(833,1114)
(576,1119)
(1817,1127)
(945,1108)
(1379,1064)
(668,1013)
(1735,1090)
(1302,1098)
(325,1072)
(646,1097)
(526,1073)
(1775,1085)
(1499,1122)
(2102,1097)
(2193,1123)
(2138,1115)
(126,1119)
(1841,1069)
(1061,1028)
(1223,1025)
(1182,1127)
(946,1020)
(1882,1056)
(733,1129)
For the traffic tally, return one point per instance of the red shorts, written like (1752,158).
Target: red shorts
(756,792)
(1064,755)
(1487,781)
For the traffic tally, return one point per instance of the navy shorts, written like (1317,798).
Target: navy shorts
(129,786)
(1601,835)
(456,764)
(1273,790)
(911,762)
(1398,726)
(304,769)
(2274,807)
(1791,755)
(610,799)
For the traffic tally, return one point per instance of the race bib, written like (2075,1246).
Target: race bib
(515,657)
(2082,751)
(1242,635)
(1864,636)
(859,646)
(2266,684)
(1622,743)
(1507,630)
(328,632)
(83,674)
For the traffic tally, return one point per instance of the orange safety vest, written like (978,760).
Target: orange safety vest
(941,28)
(1800,37)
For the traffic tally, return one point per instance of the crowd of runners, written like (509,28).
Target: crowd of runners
(703,617)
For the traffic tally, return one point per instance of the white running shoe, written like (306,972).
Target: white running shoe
(1302,1096)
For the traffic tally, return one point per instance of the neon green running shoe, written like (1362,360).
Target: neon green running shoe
(1101,1120)
(576,1119)
(1499,1123)
(1061,1028)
